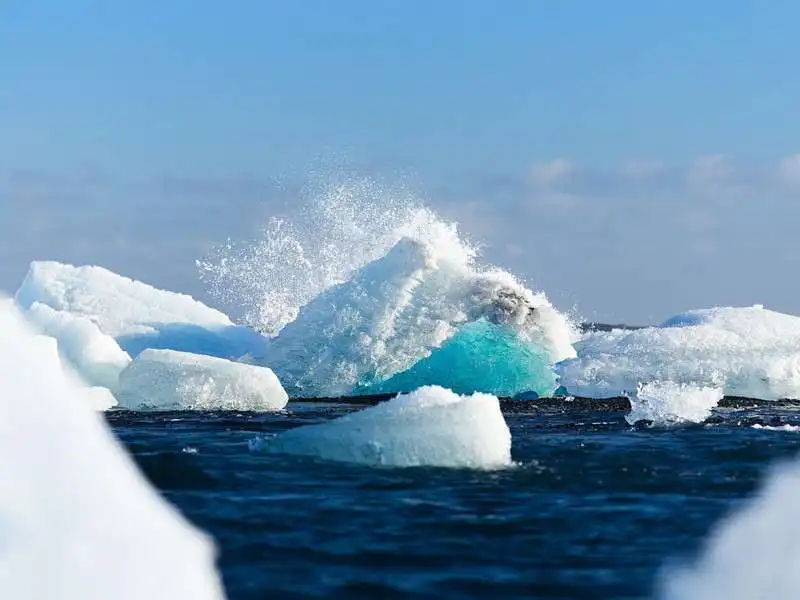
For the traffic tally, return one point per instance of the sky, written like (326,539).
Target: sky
(631,159)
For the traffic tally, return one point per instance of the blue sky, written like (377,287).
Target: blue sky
(634,159)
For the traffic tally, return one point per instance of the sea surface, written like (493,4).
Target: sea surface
(595,508)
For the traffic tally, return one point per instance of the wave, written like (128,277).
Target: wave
(370,291)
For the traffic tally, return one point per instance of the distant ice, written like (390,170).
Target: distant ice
(666,403)
(170,380)
(135,314)
(95,356)
(752,352)
(431,426)
(754,553)
(77,520)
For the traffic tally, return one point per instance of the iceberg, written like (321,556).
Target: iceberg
(431,426)
(93,355)
(399,309)
(171,380)
(750,351)
(78,519)
(136,315)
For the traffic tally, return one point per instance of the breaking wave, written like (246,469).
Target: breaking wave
(366,289)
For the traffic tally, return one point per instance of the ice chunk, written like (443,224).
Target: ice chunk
(665,403)
(95,356)
(137,315)
(170,380)
(99,398)
(752,554)
(398,309)
(431,426)
(750,352)
(77,519)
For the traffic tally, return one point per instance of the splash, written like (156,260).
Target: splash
(669,403)
(365,283)
(336,229)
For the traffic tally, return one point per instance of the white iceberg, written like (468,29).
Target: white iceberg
(171,380)
(751,352)
(52,364)
(136,315)
(394,311)
(79,522)
(752,554)
(95,356)
(431,426)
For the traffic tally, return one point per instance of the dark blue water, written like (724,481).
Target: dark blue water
(594,510)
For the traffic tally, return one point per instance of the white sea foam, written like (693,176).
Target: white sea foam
(667,403)
(750,352)
(78,520)
(787,428)
(754,553)
(431,426)
(170,380)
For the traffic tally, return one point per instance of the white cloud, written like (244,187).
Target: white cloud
(543,174)
(789,171)
(711,173)
(641,168)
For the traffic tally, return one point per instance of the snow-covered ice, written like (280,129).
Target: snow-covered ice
(751,352)
(77,519)
(431,426)
(171,380)
(135,314)
(95,356)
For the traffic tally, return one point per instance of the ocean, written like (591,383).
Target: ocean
(593,508)
(363,408)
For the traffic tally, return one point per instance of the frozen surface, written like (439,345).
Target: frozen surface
(401,307)
(752,352)
(95,356)
(77,520)
(431,426)
(170,380)
(135,314)
(671,403)
(752,554)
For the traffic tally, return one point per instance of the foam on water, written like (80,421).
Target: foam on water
(752,554)
(78,521)
(369,285)
(668,403)
(431,426)
(170,380)
(751,352)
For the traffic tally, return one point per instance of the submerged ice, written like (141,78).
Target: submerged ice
(751,352)
(431,426)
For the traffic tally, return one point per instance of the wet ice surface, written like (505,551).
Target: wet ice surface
(594,509)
